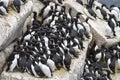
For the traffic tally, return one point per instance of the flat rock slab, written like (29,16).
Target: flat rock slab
(76,71)
(12,24)
(98,28)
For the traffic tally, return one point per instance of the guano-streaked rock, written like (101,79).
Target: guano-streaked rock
(12,24)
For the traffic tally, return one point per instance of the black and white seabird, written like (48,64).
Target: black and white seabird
(3,9)
(101,13)
(45,69)
(80,2)
(89,12)
(113,7)
(13,61)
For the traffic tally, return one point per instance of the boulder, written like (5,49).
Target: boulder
(12,24)
(98,31)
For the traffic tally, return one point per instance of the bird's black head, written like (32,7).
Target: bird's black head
(68,67)
(63,8)
(70,9)
(97,7)
(34,15)
(78,14)
(98,50)
(86,20)
(103,5)
(112,6)
(1,3)
(88,6)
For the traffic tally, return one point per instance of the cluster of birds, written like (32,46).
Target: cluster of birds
(101,62)
(16,5)
(50,43)
(59,2)
(57,37)
(111,15)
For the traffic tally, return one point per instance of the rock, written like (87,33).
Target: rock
(98,31)
(11,25)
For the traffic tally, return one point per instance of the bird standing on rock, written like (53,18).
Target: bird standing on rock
(3,9)
(115,11)
(101,13)
(12,62)
(89,12)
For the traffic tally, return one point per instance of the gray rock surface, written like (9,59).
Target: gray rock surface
(12,24)
(98,29)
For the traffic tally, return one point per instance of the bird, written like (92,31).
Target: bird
(98,55)
(90,2)
(13,61)
(45,69)
(36,70)
(104,7)
(69,14)
(111,64)
(115,13)
(67,60)
(17,5)
(23,1)
(111,24)
(89,12)
(44,12)
(35,20)
(22,62)
(72,51)
(86,25)
(51,64)
(118,61)
(80,2)
(113,7)
(60,2)
(109,32)
(101,13)
(3,9)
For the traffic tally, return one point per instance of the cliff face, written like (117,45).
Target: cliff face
(14,24)
(11,27)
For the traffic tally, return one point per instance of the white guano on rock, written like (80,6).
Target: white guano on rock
(12,24)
